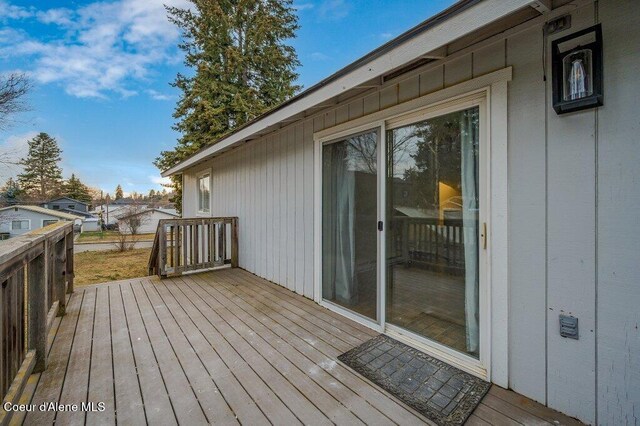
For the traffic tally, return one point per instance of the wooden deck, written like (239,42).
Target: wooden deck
(221,347)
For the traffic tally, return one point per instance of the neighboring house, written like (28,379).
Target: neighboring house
(91,224)
(69,205)
(110,213)
(20,219)
(547,201)
(145,220)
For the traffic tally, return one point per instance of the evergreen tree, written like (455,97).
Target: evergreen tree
(74,188)
(243,67)
(119,193)
(42,177)
(10,193)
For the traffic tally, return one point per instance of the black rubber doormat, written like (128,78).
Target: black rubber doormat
(436,389)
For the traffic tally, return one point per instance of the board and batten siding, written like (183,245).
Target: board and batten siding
(268,184)
(618,219)
(573,200)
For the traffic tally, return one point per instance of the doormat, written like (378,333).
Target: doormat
(439,391)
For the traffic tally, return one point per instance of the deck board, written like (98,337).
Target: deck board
(187,406)
(51,380)
(279,354)
(298,351)
(212,402)
(158,407)
(244,407)
(223,347)
(128,405)
(101,376)
(323,355)
(293,399)
(270,404)
(76,381)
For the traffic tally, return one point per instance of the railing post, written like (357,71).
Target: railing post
(59,277)
(405,242)
(162,251)
(234,242)
(69,263)
(37,310)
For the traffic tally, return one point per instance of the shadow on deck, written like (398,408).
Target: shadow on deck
(221,347)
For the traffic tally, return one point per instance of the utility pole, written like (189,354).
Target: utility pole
(107,200)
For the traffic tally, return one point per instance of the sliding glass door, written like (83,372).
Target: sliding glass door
(349,217)
(433,205)
(411,262)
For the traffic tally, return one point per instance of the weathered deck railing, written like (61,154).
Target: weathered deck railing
(431,243)
(185,245)
(36,272)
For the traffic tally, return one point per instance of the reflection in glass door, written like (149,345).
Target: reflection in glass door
(432,240)
(349,217)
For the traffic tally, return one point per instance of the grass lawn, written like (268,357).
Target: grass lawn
(99,266)
(108,236)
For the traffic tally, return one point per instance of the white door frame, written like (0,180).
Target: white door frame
(492,88)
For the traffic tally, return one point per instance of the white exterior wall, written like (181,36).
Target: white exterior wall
(35,219)
(573,196)
(149,222)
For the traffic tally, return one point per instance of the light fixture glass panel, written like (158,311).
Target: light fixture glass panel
(577,68)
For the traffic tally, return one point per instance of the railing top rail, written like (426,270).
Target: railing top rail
(14,247)
(196,220)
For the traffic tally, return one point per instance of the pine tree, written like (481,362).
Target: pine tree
(42,176)
(119,193)
(243,67)
(10,193)
(74,188)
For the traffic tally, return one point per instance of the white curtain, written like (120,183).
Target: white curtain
(338,270)
(469,167)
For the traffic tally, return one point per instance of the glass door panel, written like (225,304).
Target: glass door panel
(432,239)
(349,218)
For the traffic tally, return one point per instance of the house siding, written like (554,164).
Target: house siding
(35,218)
(617,232)
(572,194)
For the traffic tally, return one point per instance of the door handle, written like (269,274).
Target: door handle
(483,235)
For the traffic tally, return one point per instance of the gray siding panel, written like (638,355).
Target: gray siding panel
(432,80)
(457,70)
(571,253)
(527,177)
(492,57)
(618,303)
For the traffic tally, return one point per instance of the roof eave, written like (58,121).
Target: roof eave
(461,19)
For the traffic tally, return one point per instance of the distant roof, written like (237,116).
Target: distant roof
(124,201)
(145,211)
(66,198)
(42,210)
(76,212)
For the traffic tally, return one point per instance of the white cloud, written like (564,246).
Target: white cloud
(386,36)
(9,11)
(303,6)
(62,17)
(103,47)
(334,9)
(154,94)
(319,56)
(159,180)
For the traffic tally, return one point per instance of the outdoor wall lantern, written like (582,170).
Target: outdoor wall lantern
(577,70)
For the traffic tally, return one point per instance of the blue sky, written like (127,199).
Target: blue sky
(101,73)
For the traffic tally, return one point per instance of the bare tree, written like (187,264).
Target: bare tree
(132,219)
(122,242)
(13,89)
